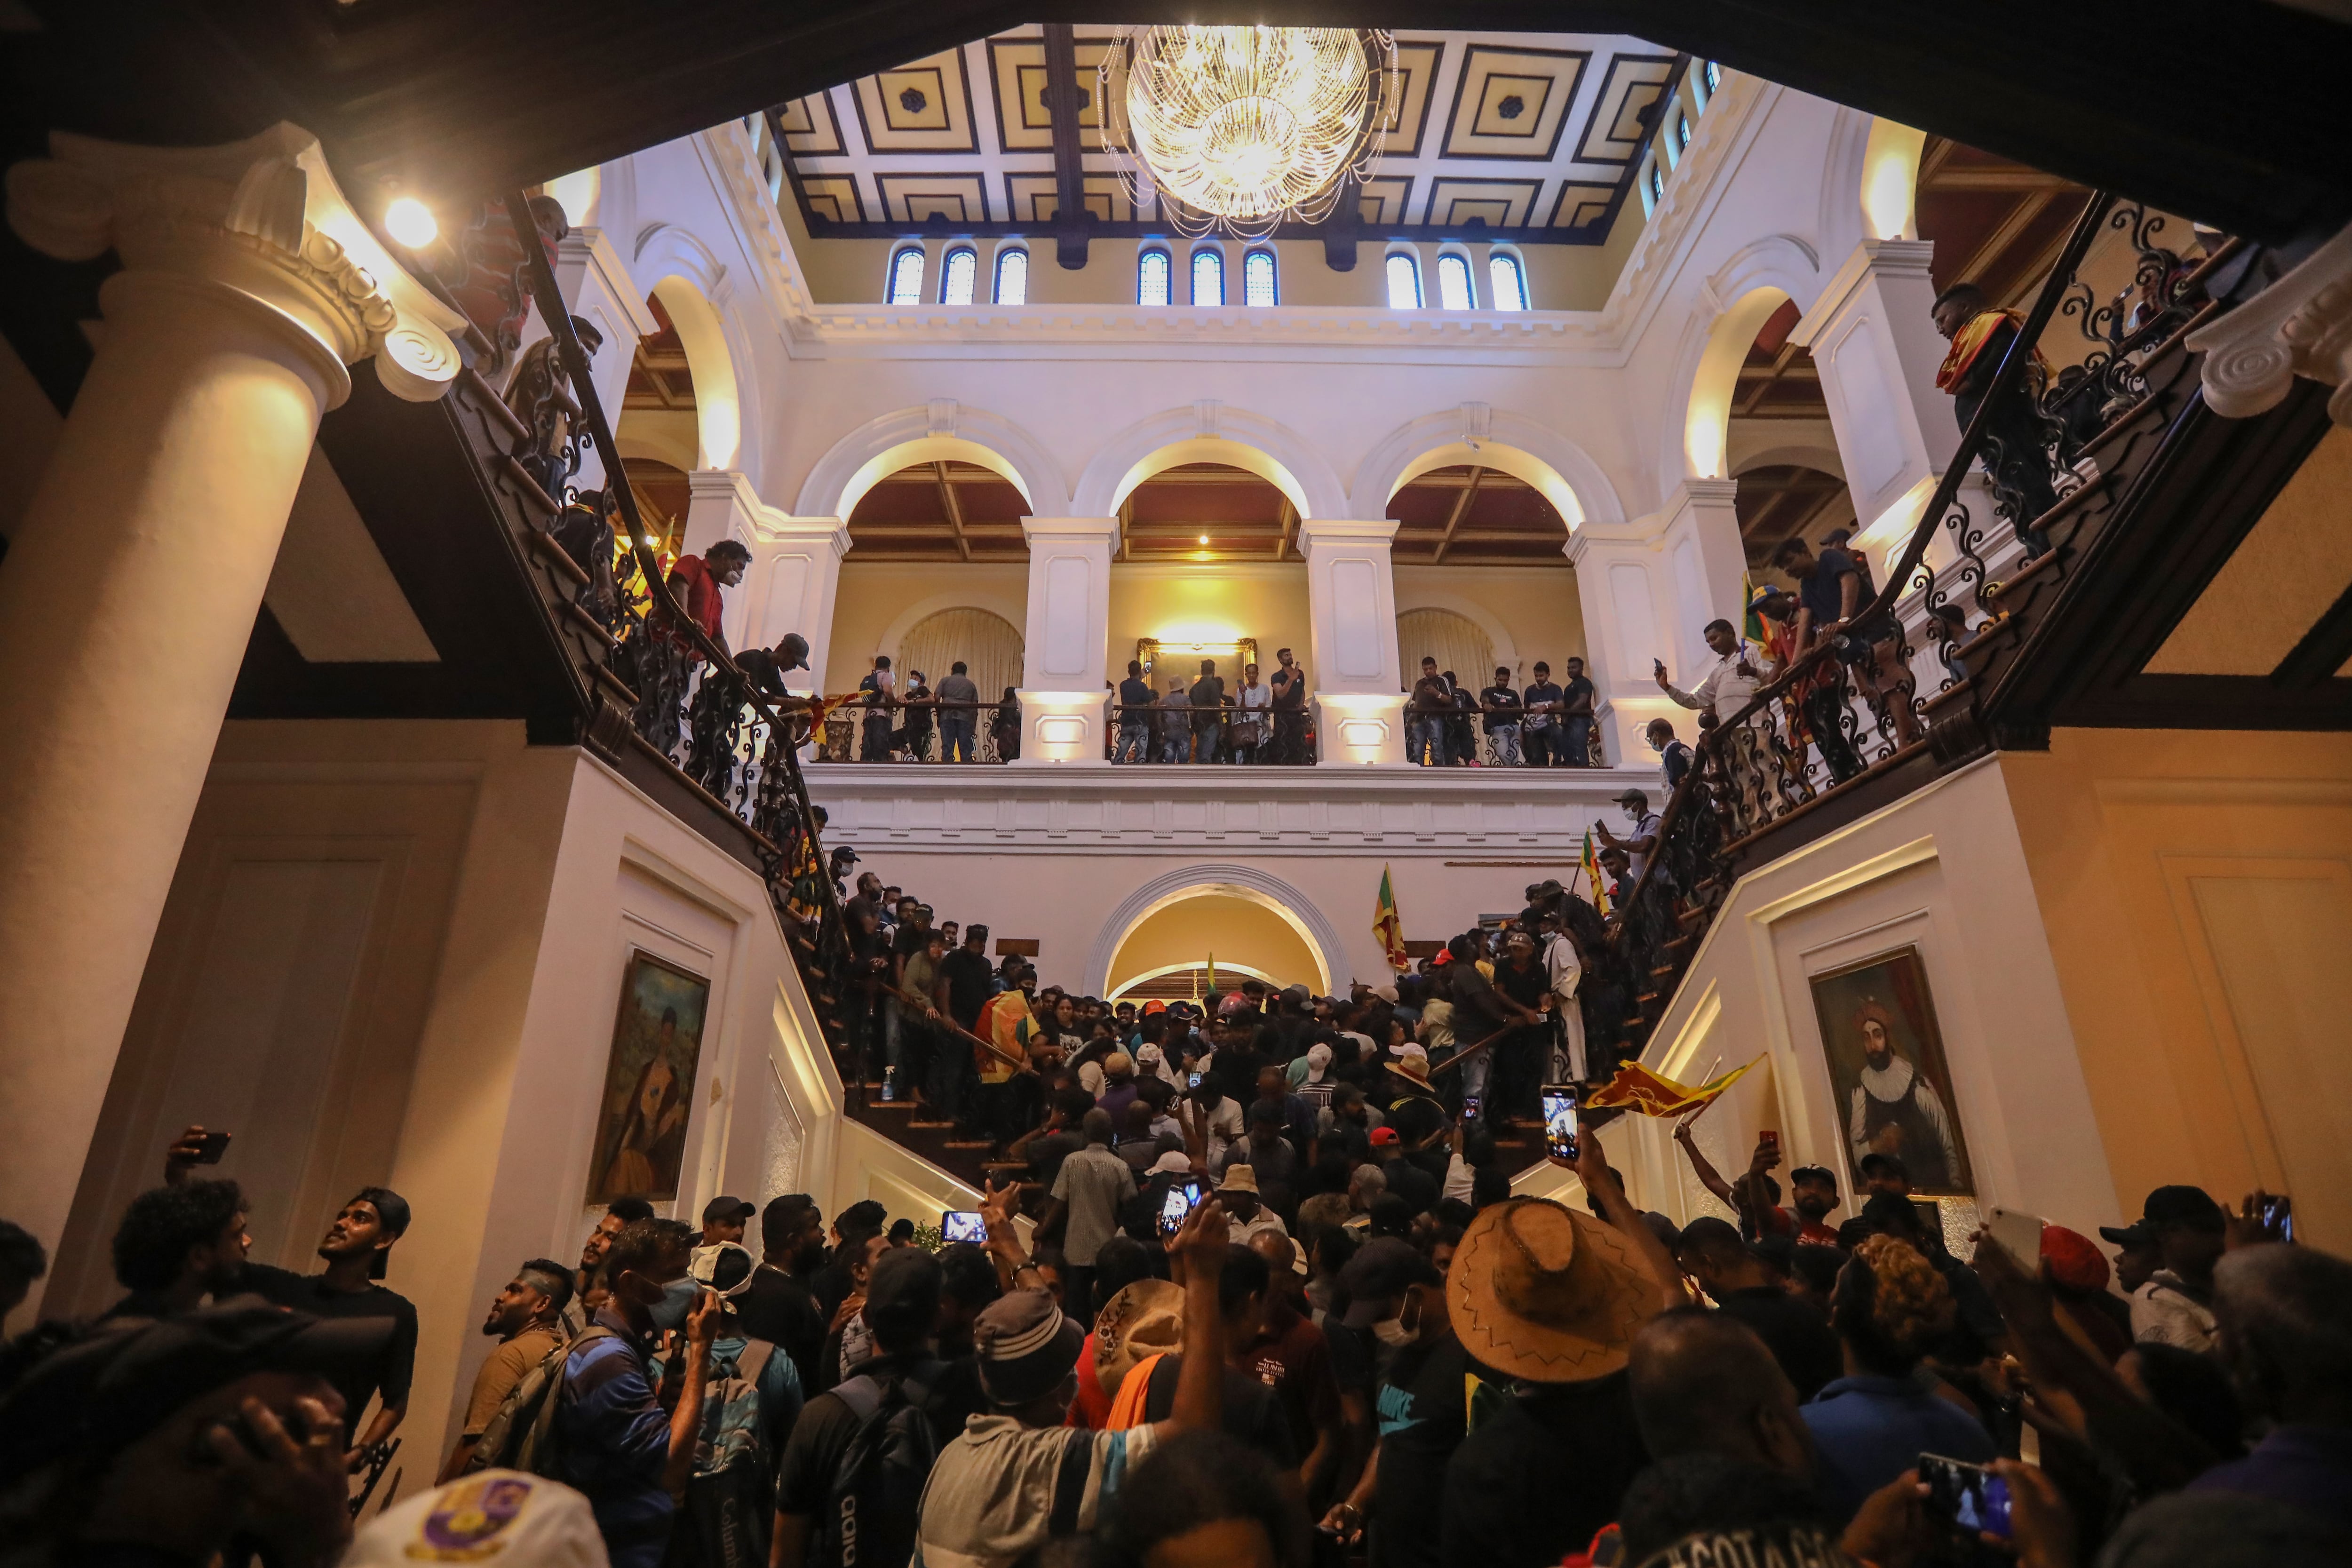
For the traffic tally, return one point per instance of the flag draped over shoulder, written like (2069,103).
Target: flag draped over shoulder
(1590,866)
(1638,1089)
(1006,1024)
(1389,927)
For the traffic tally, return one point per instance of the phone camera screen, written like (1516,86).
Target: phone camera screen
(1559,1120)
(962,1225)
(1180,1201)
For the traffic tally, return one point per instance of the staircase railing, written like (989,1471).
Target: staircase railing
(1799,740)
(666,683)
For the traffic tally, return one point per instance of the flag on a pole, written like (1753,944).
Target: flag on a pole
(1751,620)
(1389,926)
(1646,1093)
(1590,867)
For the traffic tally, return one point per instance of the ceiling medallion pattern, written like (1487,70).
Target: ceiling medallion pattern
(1243,129)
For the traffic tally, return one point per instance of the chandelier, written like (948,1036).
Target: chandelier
(1240,129)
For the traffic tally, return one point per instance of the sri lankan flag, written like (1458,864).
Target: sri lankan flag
(1751,620)
(1389,927)
(1646,1093)
(1592,868)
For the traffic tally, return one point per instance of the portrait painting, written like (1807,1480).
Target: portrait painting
(648,1082)
(1893,1087)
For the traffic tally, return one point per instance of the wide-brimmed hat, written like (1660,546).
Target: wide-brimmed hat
(1414,1069)
(1239,1178)
(1145,1319)
(1544,1293)
(1024,1346)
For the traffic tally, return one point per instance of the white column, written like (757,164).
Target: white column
(1351,640)
(1063,710)
(1627,597)
(1705,564)
(721,504)
(1875,346)
(795,575)
(598,289)
(247,286)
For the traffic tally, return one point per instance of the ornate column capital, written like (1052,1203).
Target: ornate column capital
(2299,325)
(261,218)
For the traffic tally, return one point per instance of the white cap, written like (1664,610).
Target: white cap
(1148,1055)
(1318,1058)
(519,1520)
(1413,1049)
(1175,1161)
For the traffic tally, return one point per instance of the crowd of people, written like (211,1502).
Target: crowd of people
(1415,1366)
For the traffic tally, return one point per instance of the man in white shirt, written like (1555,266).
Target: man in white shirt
(1727,683)
(1564,971)
(2175,1307)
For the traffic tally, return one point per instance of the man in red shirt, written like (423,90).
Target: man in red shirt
(1813,1192)
(696,581)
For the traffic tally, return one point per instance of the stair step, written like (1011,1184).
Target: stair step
(962,1143)
(931,1126)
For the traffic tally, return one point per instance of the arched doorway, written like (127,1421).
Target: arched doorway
(1170,952)
(986,644)
(1318,959)
(1456,642)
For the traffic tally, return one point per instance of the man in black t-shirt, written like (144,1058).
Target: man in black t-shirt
(1135,697)
(1541,733)
(1288,685)
(1832,589)
(1576,715)
(1793,1329)
(965,983)
(779,1305)
(1208,702)
(1502,728)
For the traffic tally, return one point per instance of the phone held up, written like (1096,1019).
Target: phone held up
(1469,1108)
(1192,1080)
(1560,1122)
(1183,1196)
(210,1147)
(962,1225)
(2019,1235)
(1966,1499)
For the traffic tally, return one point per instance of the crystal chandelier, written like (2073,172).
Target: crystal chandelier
(1241,129)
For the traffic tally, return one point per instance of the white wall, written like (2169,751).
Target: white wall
(1944,869)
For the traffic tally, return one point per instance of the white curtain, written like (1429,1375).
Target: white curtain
(1454,641)
(986,643)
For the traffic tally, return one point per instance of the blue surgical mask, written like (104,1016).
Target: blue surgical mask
(676,1304)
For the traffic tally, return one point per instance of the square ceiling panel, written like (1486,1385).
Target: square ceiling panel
(922,107)
(1511,103)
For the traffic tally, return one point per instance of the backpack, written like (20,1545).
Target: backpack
(520,1433)
(878,1491)
(731,1433)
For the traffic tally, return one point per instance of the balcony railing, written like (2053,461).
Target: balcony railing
(1844,711)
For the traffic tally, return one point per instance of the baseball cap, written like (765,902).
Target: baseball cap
(902,1294)
(1024,1347)
(2072,1260)
(1382,1136)
(2182,1205)
(1379,1274)
(723,1208)
(1815,1173)
(514,1516)
(2139,1233)
(1634,795)
(1175,1162)
(725,1266)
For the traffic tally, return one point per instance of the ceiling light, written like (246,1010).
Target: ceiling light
(1245,128)
(411,222)
(1204,539)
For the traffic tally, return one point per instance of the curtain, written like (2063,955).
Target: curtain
(986,642)
(1454,641)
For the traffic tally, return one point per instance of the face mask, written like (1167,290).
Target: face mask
(676,1305)
(1391,1331)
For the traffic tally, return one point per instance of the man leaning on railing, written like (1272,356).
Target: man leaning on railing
(959,697)
(1134,716)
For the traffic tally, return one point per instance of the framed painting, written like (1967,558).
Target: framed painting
(648,1082)
(1893,1087)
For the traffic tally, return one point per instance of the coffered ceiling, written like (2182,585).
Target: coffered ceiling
(1532,137)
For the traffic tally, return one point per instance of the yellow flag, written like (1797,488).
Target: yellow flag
(1389,926)
(1646,1093)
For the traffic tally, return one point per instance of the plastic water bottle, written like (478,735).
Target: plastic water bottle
(889,1085)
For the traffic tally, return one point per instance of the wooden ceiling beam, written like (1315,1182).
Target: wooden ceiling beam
(1072,222)
(2006,233)
(1289,521)
(954,510)
(1469,493)
(2016,178)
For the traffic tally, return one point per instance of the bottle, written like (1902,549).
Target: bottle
(889,1085)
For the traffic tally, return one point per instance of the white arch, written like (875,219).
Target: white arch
(673,264)
(1133,981)
(1791,454)
(1268,892)
(922,610)
(1209,432)
(1498,639)
(1732,307)
(942,429)
(1562,470)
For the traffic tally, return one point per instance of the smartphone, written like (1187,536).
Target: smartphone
(1560,1122)
(1469,1108)
(1965,1499)
(2020,1236)
(1768,1138)
(1192,1080)
(211,1147)
(2278,1218)
(963,1225)
(1182,1196)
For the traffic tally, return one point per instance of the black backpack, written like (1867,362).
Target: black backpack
(878,1491)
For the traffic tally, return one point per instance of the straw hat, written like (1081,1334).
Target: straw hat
(1547,1294)
(1413,1067)
(1239,1178)
(1145,1319)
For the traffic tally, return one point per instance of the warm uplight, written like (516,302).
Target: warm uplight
(1890,175)
(1204,539)
(411,222)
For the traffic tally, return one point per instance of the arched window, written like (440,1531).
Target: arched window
(1151,278)
(1257,278)
(1454,283)
(1711,73)
(1506,282)
(959,275)
(1657,184)
(907,277)
(1207,277)
(1404,282)
(1682,131)
(1012,277)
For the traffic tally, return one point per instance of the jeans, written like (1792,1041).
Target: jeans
(1507,744)
(1134,741)
(953,1077)
(955,737)
(1542,741)
(1473,1080)
(1579,753)
(875,739)
(1212,737)
(1176,744)
(1425,739)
